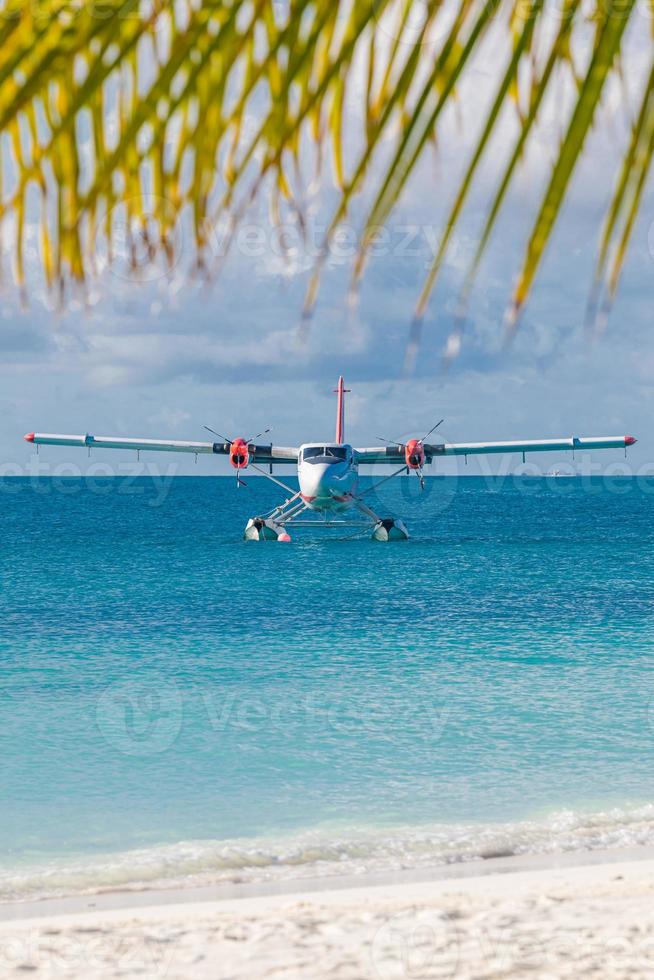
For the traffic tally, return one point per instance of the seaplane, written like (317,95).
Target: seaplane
(328,472)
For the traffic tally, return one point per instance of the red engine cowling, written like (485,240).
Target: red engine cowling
(414,454)
(239,454)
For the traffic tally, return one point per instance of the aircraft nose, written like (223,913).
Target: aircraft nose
(324,481)
(320,479)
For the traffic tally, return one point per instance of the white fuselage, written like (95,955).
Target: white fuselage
(327,473)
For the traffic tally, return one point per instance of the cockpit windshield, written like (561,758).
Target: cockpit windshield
(324,454)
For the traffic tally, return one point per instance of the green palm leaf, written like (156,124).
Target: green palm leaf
(611,27)
(624,208)
(144,116)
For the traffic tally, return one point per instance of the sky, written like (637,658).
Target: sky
(162,358)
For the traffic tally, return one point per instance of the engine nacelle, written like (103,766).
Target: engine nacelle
(239,454)
(414,454)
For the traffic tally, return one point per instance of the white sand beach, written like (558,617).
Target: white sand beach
(572,921)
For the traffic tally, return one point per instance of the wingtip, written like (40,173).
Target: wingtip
(29,437)
(630,440)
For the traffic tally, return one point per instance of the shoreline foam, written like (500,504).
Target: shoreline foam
(189,893)
(329,852)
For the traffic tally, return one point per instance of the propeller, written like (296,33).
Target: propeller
(392,442)
(239,480)
(213,432)
(433,429)
(398,442)
(226,439)
(252,438)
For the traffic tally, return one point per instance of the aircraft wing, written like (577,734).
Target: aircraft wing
(258,453)
(394,454)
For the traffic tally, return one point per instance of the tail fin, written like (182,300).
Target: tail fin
(341,391)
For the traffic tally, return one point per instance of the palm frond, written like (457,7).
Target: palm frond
(132,118)
(507,80)
(624,207)
(558,53)
(611,27)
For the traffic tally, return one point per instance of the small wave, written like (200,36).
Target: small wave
(327,851)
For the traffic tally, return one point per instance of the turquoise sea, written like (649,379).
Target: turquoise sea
(179,705)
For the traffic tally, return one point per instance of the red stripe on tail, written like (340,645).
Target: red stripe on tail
(341,391)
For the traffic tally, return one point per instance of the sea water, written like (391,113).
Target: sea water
(180,705)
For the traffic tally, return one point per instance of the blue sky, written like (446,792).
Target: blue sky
(160,359)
